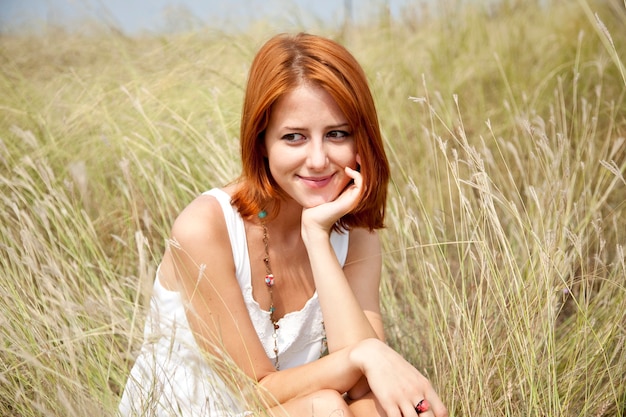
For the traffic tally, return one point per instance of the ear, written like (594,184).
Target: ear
(358,162)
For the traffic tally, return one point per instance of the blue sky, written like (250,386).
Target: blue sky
(134,16)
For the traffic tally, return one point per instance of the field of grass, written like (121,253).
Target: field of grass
(505,265)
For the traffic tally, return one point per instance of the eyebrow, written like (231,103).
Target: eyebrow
(337,126)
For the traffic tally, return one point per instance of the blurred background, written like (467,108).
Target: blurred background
(138,16)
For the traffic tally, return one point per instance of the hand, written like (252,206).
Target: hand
(323,217)
(395,383)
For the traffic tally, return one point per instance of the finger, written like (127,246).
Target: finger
(356,176)
(408,410)
(437,407)
(394,412)
(352,173)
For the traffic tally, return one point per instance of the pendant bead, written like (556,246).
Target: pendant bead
(269,280)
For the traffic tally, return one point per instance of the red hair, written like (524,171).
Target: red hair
(282,64)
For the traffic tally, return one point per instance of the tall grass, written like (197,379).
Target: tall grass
(504,272)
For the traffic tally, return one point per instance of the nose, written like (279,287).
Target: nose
(317,158)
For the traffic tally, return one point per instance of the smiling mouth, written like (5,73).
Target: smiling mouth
(316,182)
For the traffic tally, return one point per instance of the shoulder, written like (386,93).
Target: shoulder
(200,221)
(364,249)
(363,269)
(363,240)
(199,236)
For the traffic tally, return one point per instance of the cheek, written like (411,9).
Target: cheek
(282,166)
(351,158)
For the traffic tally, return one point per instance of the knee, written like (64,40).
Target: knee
(328,402)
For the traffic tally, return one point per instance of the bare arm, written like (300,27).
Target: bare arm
(346,294)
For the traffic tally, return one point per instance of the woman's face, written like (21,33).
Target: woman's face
(308,143)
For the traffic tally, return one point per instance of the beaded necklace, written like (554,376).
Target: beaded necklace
(269,283)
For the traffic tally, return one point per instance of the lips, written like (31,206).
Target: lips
(316,182)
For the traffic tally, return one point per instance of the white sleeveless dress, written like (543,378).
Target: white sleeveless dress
(172,377)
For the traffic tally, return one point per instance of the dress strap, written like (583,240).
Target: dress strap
(236,230)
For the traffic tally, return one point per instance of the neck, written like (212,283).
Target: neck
(287,220)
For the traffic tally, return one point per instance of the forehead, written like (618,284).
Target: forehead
(306,103)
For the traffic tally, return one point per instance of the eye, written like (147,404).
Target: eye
(293,137)
(337,134)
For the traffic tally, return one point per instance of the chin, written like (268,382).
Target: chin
(317,201)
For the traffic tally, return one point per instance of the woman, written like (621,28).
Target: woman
(278,273)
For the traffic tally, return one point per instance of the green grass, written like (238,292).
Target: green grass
(505,266)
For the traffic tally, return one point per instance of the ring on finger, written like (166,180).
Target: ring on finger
(422,406)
